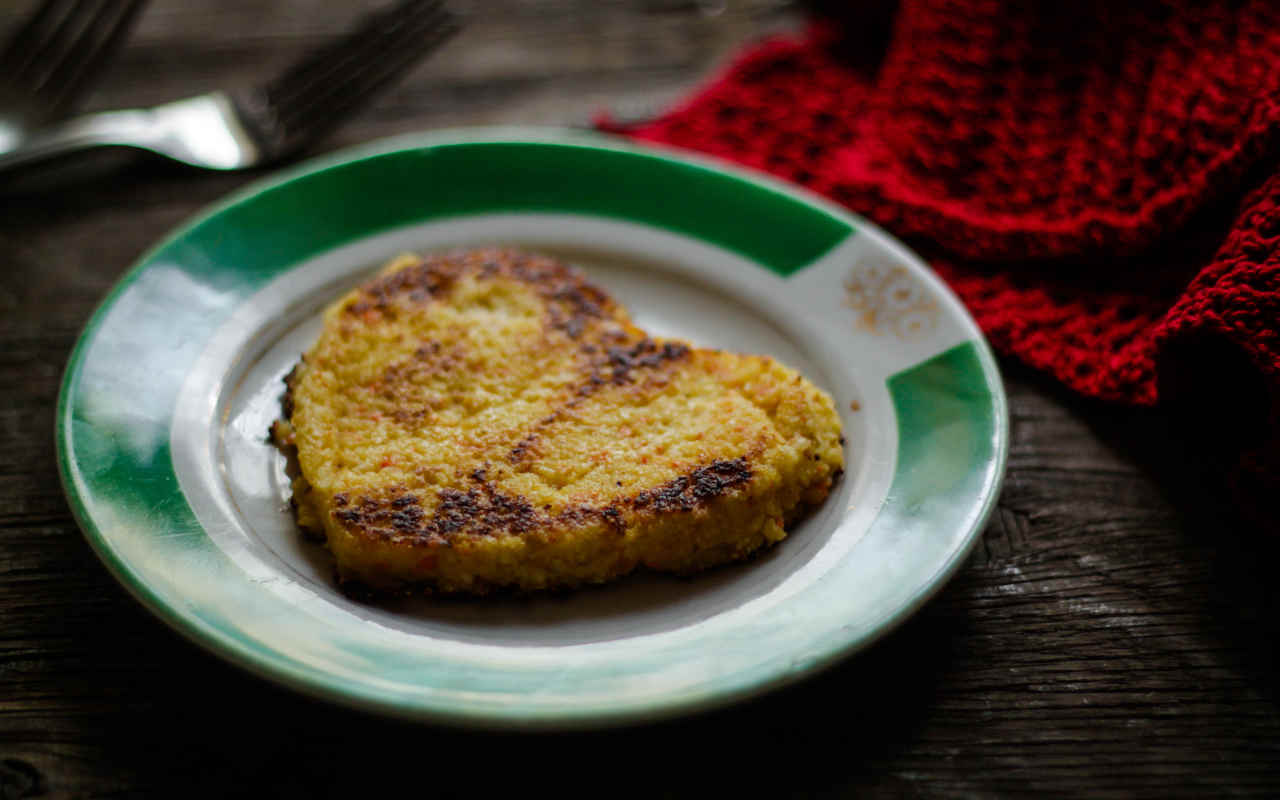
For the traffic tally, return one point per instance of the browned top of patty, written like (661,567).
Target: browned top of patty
(494,392)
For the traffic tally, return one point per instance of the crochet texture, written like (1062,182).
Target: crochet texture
(1097,181)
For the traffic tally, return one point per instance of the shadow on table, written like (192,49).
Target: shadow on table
(211,730)
(1238,552)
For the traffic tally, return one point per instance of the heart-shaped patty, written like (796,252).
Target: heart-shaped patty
(487,418)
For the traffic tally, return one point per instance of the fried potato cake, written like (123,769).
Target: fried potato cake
(488,418)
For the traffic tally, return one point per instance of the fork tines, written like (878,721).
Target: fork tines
(326,86)
(64,43)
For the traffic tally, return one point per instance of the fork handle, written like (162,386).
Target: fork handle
(105,129)
(166,129)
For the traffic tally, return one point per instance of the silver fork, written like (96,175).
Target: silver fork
(53,57)
(249,127)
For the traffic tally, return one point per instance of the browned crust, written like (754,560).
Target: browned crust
(601,367)
(621,363)
(286,400)
(611,354)
(482,510)
(571,302)
(696,489)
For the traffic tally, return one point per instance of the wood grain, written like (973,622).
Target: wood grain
(1114,635)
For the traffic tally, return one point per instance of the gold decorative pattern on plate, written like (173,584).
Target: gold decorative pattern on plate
(887,299)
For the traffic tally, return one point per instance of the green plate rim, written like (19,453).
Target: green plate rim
(227,648)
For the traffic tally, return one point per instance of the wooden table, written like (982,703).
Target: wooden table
(1113,635)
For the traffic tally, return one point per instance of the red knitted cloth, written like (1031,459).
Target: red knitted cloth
(1099,181)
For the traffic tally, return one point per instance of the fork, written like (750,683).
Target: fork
(229,130)
(53,57)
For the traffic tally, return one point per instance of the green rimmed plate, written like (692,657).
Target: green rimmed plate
(167,398)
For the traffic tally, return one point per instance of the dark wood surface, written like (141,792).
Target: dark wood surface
(1114,634)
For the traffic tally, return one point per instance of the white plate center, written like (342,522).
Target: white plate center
(669,292)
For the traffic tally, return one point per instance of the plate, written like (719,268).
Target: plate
(166,400)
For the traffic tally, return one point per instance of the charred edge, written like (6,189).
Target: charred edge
(477,511)
(417,283)
(286,399)
(573,305)
(284,442)
(483,510)
(613,518)
(696,489)
(619,364)
(571,302)
(622,361)
(580,516)
(402,516)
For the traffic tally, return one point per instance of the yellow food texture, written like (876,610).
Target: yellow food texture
(487,418)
